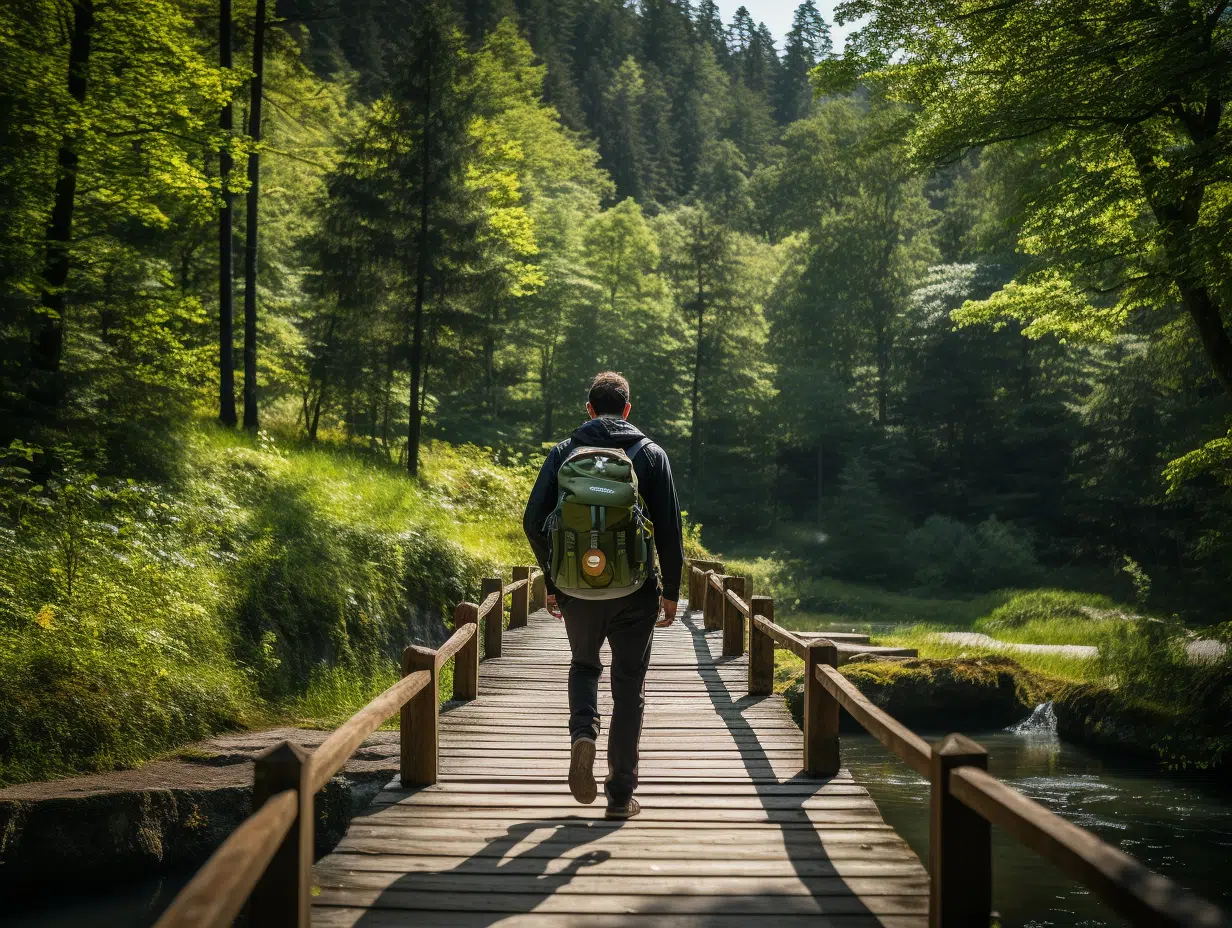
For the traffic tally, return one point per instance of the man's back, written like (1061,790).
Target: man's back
(655,483)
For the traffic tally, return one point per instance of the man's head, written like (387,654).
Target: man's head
(609,396)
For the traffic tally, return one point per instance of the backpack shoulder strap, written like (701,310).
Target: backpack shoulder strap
(636,449)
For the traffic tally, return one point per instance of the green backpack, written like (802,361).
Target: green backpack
(600,535)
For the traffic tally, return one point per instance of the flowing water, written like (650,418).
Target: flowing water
(1179,825)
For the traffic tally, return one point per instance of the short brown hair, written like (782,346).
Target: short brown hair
(609,392)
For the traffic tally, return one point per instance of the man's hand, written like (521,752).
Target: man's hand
(669,612)
(553,609)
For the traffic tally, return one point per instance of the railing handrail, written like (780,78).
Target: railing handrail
(1132,889)
(966,799)
(910,747)
(279,830)
(738,603)
(489,603)
(337,749)
(457,641)
(781,636)
(215,896)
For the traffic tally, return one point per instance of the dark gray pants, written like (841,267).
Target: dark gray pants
(628,626)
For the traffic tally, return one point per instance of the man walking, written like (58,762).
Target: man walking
(589,497)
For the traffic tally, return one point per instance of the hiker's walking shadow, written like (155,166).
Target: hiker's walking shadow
(490,887)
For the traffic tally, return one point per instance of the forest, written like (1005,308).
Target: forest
(943,312)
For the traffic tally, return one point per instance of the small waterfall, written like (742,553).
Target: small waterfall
(1041,725)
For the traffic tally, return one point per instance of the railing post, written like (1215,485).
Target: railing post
(733,618)
(821,758)
(539,592)
(959,843)
(418,735)
(519,602)
(761,648)
(466,661)
(283,896)
(712,615)
(494,622)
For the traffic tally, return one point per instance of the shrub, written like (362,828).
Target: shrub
(945,554)
(865,529)
(1147,662)
(1047,605)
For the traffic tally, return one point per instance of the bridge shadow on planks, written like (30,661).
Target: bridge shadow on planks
(490,866)
(804,847)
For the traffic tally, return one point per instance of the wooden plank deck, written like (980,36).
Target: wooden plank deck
(730,830)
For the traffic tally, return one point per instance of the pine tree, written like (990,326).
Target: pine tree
(701,265)
(762,66)
(622,134)
(740,35)
(404,215)
(807,43)
(708,23)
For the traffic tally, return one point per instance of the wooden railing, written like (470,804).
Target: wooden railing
(966,800)
(267,861)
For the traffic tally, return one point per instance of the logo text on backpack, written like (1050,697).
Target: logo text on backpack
(603,490)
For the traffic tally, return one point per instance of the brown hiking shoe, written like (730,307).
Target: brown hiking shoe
(582,771)
(619,811)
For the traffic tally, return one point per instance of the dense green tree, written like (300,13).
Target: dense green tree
(115,105)
(870,226)
(722,183)
(1131,151)
(708,21)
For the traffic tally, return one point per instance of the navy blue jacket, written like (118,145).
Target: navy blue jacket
(654,482)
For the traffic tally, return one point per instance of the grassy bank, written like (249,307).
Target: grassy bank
(1142,694)
(260,582)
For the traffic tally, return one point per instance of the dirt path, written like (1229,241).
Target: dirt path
(978,640)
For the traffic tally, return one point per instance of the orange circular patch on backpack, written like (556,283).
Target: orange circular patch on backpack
(593,562)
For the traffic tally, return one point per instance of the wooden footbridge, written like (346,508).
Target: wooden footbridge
(745,818)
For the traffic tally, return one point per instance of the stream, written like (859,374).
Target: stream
(1179,825)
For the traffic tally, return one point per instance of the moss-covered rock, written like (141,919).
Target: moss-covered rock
(1109,721)
(941,695)
(115,836)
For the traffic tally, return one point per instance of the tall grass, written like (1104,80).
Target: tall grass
(266,581)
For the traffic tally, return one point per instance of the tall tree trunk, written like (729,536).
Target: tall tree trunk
(421,280)
(545,380)
(695,436)
(391,361)
(46,390)
(821,480)
(1211,328)
(226,263)
(1178,210)
(316,407)
(250,245)
(881,346)
(489,363)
